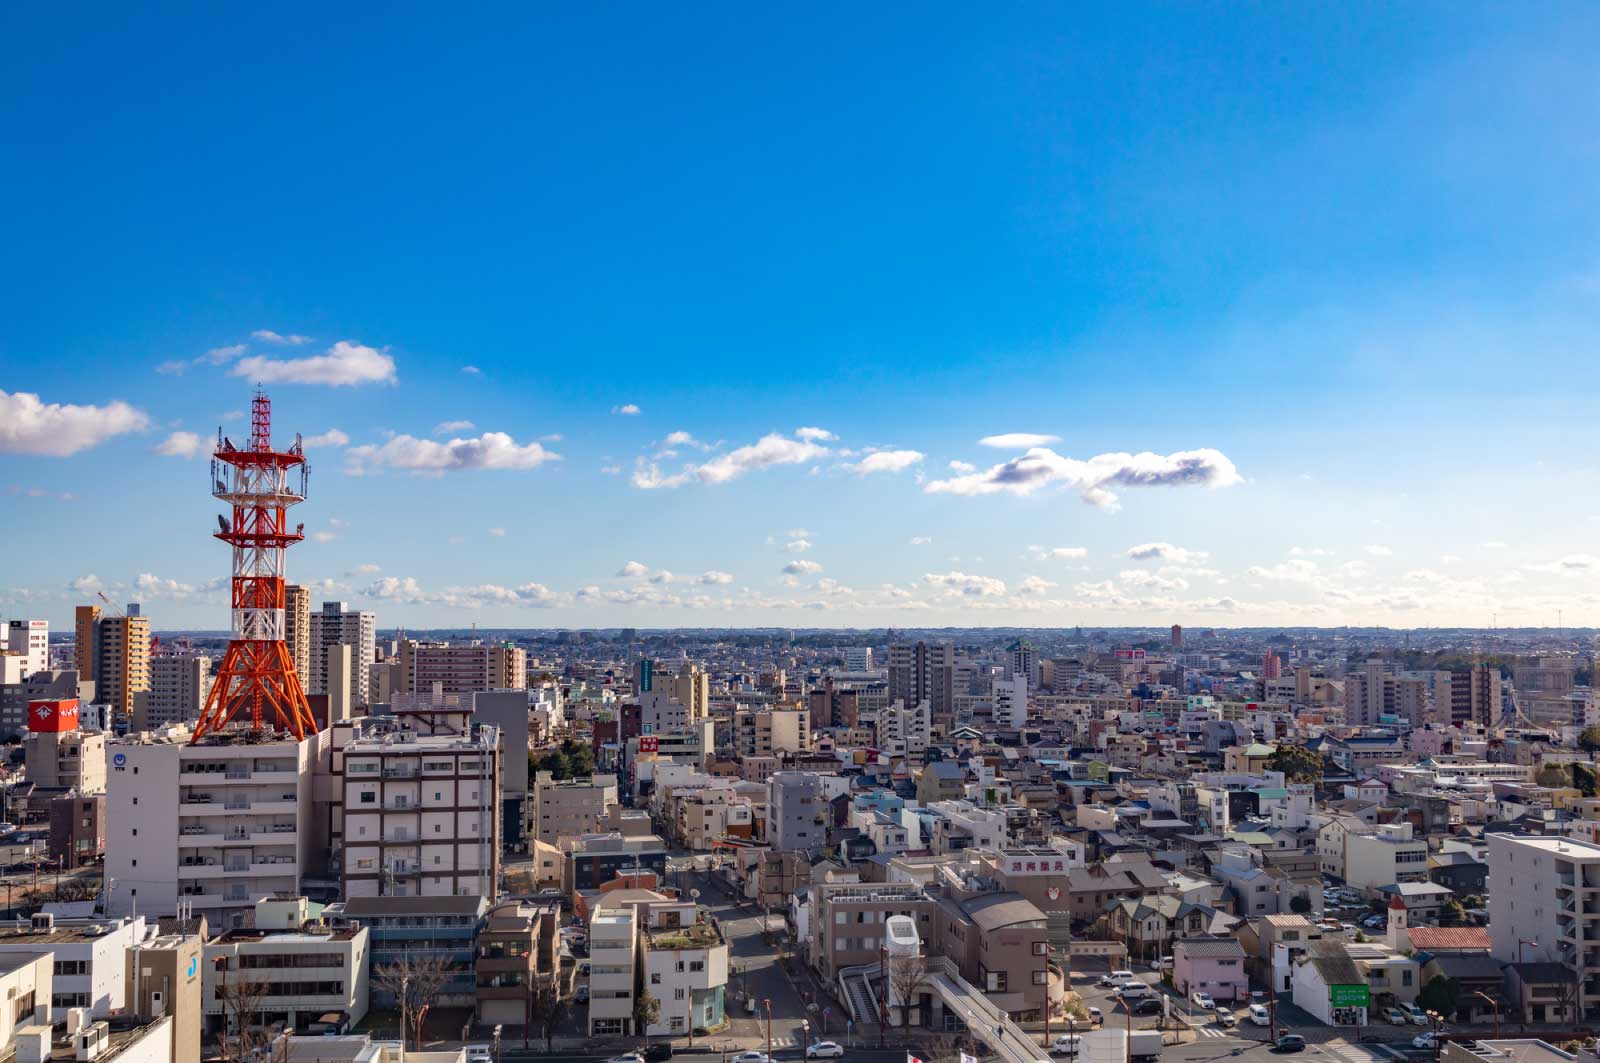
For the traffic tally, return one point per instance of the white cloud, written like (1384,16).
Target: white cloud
(221,355)
(31,426)
(1378,550)
(797,546)
(345,364)
(963,467)
(491,450)
(769,450)
(1569,563)
(814,435)
(1138,577)
(1094,478)
(966,584)
(324,536)
(331,438)
(921,540)
(471,370)
(1450,559)
(266,335)
(444,428)
(661,575)
(611,470)
(802,568)
(886,461)
(499,533)
(1297,570)
(1018,440)
(1164,552)
(680,438)
(338,522)
(367,569)
(1493,545)
(152,586)
(634,570)
(179,445)
(1032,585)
(627,409)
(1308,551)
(1066,552)
(88,584)
(714,576)
(534,595)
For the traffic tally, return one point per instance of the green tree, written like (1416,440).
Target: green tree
(1553,776)
(1300,904)
(1440,994)
(1297,763)
(1584,778)
(1589,739)
(646,1012)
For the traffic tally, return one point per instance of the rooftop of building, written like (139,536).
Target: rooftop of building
(306,935)
(691,936)
(24,933)
(121,1034)
(1557,845)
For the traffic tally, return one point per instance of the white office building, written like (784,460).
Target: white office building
(218,824)
(87,957)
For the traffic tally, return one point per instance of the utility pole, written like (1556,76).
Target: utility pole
(883,990)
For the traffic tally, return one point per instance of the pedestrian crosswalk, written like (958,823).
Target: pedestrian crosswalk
(1211,1031)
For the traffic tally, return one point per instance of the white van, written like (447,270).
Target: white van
(1260,1015)
(1135,990)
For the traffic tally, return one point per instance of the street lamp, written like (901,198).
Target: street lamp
(805,1038)
(1438,1028)
(1495,1004)
(497,1027)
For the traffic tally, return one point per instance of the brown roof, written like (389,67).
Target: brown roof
(1458,938)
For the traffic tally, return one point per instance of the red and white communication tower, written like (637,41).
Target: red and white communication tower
(257,674)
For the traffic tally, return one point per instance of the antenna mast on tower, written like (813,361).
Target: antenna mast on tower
(257,674)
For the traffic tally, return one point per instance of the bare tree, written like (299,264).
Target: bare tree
(241,998)
(546,1010)
(415,982)
(908,977)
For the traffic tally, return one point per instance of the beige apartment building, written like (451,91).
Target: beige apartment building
(460,669)
(569,808)
(768,732)
(179,686)
(297,627)
(121,650)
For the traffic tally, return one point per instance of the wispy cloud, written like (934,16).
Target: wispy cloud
(266,335)
(1018,440)
(1094,478)
(885,461)
(768,451)
(444,428)
(345,364)
(331,438)
(491,450)
(627,409)
(1165,552)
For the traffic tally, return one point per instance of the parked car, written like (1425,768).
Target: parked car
(825,1050)
(658,1052)
(627,1057)
(1133,990)
(1396,1017)
(1424,1040)
(1417,1016)
(1150,1005)
(1115,978)
(1163,964)
(1202,999)
(1289,1042)
(750,1057)
(1097,1017)
(1065,1045)
(479,1053)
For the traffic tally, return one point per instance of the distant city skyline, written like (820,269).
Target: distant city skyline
(653,320)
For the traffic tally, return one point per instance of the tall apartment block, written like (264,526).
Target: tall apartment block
(85,617)
(219,824)
(1467,695)
(461,669)
(420,814)
(923,671)
(571,807)
(297,627)
(121,649)
(179,685)
(337,625)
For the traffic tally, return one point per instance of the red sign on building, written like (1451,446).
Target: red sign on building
(53,715)
(649,744)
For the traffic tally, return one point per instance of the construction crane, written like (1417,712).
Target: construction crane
(113,610)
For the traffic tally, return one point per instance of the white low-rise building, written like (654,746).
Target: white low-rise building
(613,953)
(87,959)
(686,968)
(305,970)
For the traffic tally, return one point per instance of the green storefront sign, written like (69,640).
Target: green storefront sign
(1350,996)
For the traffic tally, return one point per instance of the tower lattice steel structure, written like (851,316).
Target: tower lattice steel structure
(257,674)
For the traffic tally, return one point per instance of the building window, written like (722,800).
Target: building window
(1041,978)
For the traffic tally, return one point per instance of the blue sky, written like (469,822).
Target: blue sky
(1328,275)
